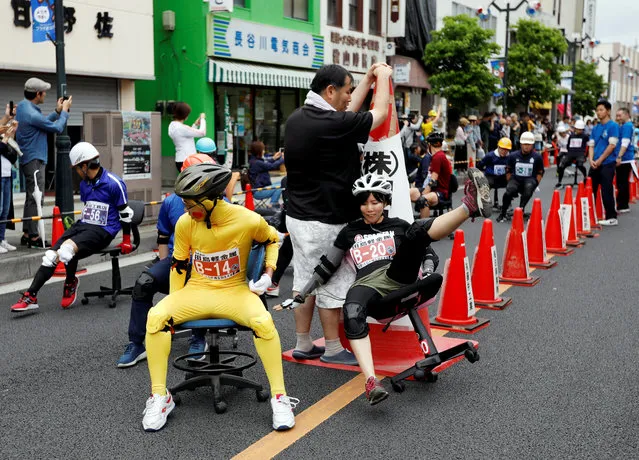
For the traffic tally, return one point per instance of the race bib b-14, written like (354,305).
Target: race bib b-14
(372,248)
(217,265)
(95,213)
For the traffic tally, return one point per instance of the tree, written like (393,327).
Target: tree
(456,59)
(533,71)
(588,87)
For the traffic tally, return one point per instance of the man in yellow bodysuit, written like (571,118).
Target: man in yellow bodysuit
(218,237)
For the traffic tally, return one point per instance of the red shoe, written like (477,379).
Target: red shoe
(70,293)
(375,392)
(27,302)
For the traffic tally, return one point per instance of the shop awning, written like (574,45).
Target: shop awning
(258,75)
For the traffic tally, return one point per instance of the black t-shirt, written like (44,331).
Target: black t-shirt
(577,144)
(322,163)
(371,246)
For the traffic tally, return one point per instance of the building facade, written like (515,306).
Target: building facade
(618,64)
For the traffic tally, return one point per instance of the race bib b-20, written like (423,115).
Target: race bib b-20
(372,248)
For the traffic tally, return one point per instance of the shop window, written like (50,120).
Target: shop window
(239,103)
(375,17)
(335,13)
(296,9)
(240,3)
(355,18)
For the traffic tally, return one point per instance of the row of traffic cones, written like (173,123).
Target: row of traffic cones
(464,289)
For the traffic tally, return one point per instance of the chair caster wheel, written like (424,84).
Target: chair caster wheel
(84,300)
(177,399)
(219,406)
(112,304)
(431,378)
(399,387)
(262,395)
(419,375)
(471,355)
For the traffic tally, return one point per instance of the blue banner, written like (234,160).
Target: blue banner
(43,21)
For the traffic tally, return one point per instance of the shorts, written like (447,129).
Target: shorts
(311,240)
(88,238)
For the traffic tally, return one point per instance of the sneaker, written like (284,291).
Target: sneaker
(343,357)
(558,185)
(4,244)
(502,218)
(27,302)
(496,207)
(283,417)
(133,354)
(623,211)
(273,291)
(38,244)
(198,345)
(24,240)
(70,293)
(157,409)
(3,250)
(609,222)
(375,391)
(477,194)
(315,353)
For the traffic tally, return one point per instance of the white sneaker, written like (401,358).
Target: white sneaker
(7,246)
(273,291)
(609,222)
(283,418)
(623,211)
(3,250)
(156,411)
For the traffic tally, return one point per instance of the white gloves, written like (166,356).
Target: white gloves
(261,285)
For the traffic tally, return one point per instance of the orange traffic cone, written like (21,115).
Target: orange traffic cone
(536,240)
(594,223)
(248,202)
(456,310)
(554,229)
(546,159)
(515,265)
(598,205)
(582,213)
(56,232)
(572,239)
(471,162)
(632,190)
(485,272)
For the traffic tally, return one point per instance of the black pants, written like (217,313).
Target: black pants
(603,176)
(566,161)
(283,259)
(523,187)
(623,174)
(403,269)
(495,183)
(178,166)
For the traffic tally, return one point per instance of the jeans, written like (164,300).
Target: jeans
(30,206)
(603,176)
(274,195)
(5,203)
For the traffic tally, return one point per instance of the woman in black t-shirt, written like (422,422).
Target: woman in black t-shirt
(387,253)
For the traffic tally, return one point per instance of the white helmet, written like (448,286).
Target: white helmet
(370,183)
(81,152)
(527,138)
(561,128)
(579,124)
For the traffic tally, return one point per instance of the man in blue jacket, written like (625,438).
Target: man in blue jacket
(259,172)
(625,157)
(31,137)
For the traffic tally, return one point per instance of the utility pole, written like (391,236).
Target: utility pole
(610,61)
(577,41)
(63,176)
(507,10)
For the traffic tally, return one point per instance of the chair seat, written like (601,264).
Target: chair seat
(213,323)
(425,286)
(111,249)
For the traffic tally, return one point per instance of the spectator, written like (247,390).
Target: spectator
(8,157)
(183,135)
(485,127)
(515,130)
(31,136)
(285,254)
(495,132)
(474,139)
(412,125)
(625,158)
(323,162)
(461,138)
(588,128)
(431,121)
(506,126)
(414,160)
(259,172)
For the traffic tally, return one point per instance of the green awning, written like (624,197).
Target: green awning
(258,75)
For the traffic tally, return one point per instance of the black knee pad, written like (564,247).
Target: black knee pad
(144,287)
(421,203)
(419,228)
(355,324)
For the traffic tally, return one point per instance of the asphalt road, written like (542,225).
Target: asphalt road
(556,379)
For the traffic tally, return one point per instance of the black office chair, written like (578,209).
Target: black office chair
(116,289)
(406,300)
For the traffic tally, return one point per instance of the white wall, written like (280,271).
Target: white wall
(129,54)
(623,88)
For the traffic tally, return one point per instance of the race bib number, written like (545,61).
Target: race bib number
(523,169)
(500,170)
(372,248)
(576,142)
(218,265)
(95,213)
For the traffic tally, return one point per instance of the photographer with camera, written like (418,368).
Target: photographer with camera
(8,157)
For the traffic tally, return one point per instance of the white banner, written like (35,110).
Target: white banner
(585,216)
(565,210)
(386,158)
(396,19)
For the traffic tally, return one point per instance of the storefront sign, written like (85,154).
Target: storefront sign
(249,41)
(43,24)
(401,73)
(396,26)
(355,52)
(136,145)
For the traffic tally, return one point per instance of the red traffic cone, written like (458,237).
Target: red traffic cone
(632,189)
(485,272)
(471,162)
(456,310)
(594,223)
(598,205)
(582,213)
(535,239)
(554,229)
(515,265)
(572,239)
(56,233)
(248,202)
(546,158)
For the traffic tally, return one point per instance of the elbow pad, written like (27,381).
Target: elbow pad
(432,183)
(126,215)
(179,265)
(163,239)
(325,269)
